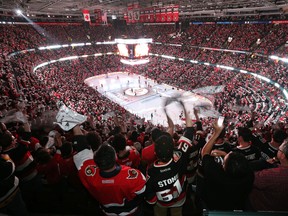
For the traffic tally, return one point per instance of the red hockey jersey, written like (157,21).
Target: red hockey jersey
(131,158)
(118,191)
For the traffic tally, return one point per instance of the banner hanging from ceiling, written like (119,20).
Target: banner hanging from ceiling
(133,13)
(104,18)
(98,16)
(175,13)
(165,14)
(86,15)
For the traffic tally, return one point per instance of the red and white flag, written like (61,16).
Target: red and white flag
(86,15)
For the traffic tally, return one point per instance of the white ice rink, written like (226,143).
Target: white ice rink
(144,97)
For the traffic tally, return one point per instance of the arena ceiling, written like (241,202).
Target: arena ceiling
(187,8)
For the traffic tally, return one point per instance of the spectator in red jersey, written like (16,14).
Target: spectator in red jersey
(48,166)
(118,188)
(68,169)
(148,153)
(126,155)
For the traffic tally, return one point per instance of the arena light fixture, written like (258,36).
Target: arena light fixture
(54,46)
(278,58)
(77,44)
(68,58)
(134,62)
(177,45)
(274,57)
(18,12)
(226,67)
(243,71)
(285,93)
(106,42)
(261,77)
(168,57)
(133,41)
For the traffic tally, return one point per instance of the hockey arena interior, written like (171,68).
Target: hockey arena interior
(136,108)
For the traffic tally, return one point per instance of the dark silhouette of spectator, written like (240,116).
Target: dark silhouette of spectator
(10,195)
(227,186)
(270,186)
(25,166)
(269,149)
(245,145)
(94,140)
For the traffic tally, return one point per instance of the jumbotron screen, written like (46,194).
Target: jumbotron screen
(132,50)
(123,50)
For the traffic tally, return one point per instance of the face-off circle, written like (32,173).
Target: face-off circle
(136,91)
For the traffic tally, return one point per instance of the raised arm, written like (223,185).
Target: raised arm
(189,122)
(196,114)
(209,145)
(170,128)
(189,131)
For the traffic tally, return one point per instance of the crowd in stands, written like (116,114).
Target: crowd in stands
(47,157)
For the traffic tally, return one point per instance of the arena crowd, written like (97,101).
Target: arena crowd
(125,165)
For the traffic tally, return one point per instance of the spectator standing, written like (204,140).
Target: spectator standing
(10,196)
(119,189)
(245,145)
(126,155)
(25,166)
(148,153)
(227,186)
(166,179)
(270,149)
